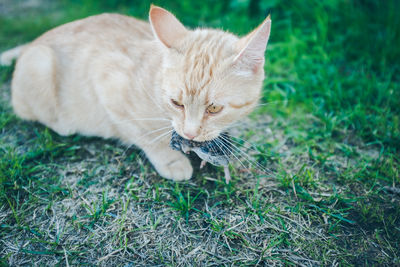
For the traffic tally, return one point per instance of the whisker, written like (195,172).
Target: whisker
(230,151)
(160,136)
(216,141)
(144,135)
(248,158)
(154,131)
(245,141)
(233,154)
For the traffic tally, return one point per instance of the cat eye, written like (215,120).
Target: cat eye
(177,103)
(214,109)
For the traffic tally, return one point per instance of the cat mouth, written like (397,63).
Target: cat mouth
(191,143)
(216,151)
(201,138)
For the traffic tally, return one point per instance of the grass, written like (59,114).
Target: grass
(328,133)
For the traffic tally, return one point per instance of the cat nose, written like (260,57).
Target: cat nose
(190,135)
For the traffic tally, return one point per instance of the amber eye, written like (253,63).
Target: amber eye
(177,103)
(214,109)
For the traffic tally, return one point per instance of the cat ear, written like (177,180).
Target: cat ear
(252,48)
(166,27)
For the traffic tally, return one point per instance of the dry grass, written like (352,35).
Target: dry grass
(105,205)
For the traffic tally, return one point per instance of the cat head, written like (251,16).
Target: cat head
(210,78)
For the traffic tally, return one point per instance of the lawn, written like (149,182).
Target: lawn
(317,181)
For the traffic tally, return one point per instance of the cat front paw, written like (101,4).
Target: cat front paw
(171,164)
(177,169)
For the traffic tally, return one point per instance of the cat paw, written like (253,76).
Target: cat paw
(177,169)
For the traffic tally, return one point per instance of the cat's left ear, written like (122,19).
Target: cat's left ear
(251,48)
(166,27)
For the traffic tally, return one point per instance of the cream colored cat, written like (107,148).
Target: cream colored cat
(118,77)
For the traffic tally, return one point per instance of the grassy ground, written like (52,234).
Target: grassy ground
(328,134)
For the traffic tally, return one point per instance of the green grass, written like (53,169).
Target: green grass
(328,135)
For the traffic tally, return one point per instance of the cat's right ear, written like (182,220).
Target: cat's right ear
(166,27)
(252,47)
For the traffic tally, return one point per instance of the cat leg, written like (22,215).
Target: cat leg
(169,163)
(34,85)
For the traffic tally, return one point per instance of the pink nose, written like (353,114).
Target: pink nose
(189,136)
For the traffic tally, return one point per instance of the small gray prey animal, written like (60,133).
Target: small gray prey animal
(216,151)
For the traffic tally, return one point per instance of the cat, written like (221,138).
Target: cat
(115,76)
